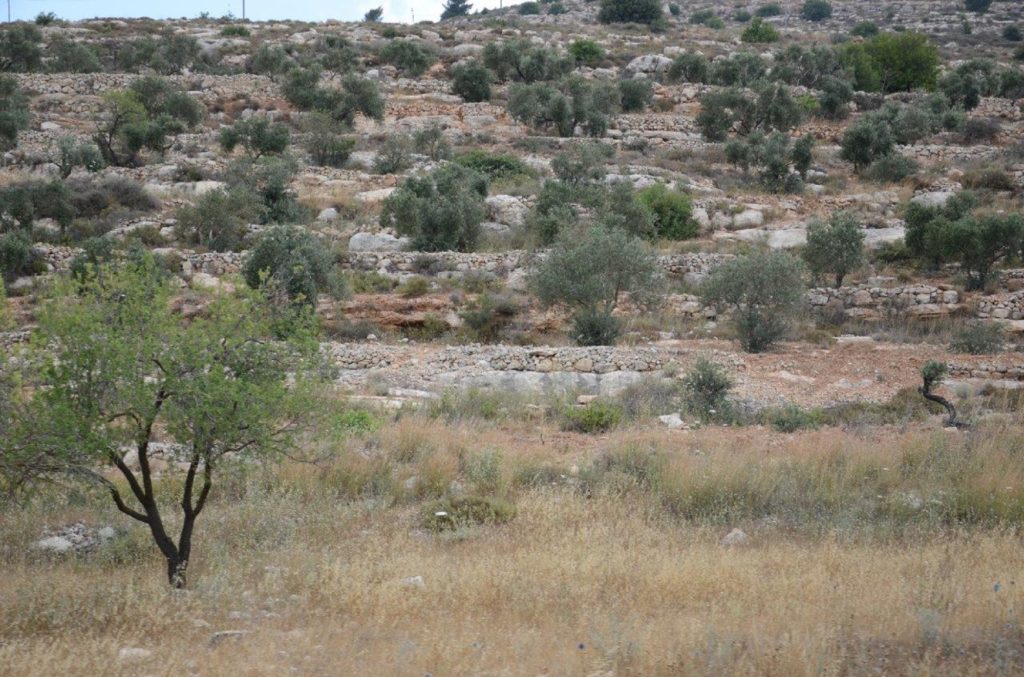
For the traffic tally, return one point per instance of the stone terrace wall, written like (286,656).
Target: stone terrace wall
(871,302)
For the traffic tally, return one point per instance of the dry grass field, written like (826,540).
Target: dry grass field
(895,551)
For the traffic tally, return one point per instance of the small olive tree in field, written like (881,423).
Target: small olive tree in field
(763,290)
(835,246)
(119,371)
(589,271)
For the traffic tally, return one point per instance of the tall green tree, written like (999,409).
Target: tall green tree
(835,246)
(120,372)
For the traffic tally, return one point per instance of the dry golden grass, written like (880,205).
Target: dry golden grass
(598,573)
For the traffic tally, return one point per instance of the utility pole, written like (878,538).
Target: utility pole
(243,10)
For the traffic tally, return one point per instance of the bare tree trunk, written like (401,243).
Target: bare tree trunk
(176,572)
(951,419)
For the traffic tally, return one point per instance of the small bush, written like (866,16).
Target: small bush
(891,169)
(16,257)
(586,52)
(472,81)
(488,317)
(596,417)
(441,211)
(460,512)
(46,19)
(673,212)
(394,156)
(292,261)
(594,328)
(494,166)
(816,10)
(324,141)
(771,9)
(977,6)
(707,387)
(218,219)
(529,8)
(14,112)
(414,287)
(791,418)
(988,178)
(20,50)
(980,130)
(235,32)
(1012,34)
(432,142)
(979,338)
(630,11)
(409,58)
(257,135)
(760,31)
(865,29)
(636,95)
(835,247)
(689,67)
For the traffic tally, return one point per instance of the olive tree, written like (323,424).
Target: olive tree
(257,135)
(440,211)
(763,290)
(120,372)
(14,112)
(835,246)
(589,272)
(291,261)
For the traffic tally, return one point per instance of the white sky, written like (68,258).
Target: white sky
(396,11)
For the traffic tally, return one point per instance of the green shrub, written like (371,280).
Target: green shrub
(673,212)
(760,31)
(1012,34)
(865,29)
(218,220)
(257,135)
(6,316)
(46,19)
(472,81)
(791,418)
(836,95)
(742,16)
(977,6)
(16,256)
(14,112)
(575,102)
(414,287)
(20,49)
(636,95)
(596,417)
(460,512)
(357,96)
(689,67)
(903,61)
(586,51)
(835,247)
(432,142)
(891,168)
(394,156)
(707,387)
(488,317)
(73,153)
(324,141)
(816,10)
(235,32)
(271,60)
(22,203)
(771,9)
(979,338)
(522,61)
(441,211)
(630,11)
(594,328)
(529,8)
(409,58)
(73,57)
(268,182)
(142,117)
(495,166)
(865,141)
(772,108)
(763,291)
(781,165)
(589,271)
(988,178)
(291,261)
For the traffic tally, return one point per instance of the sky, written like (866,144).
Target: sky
(396,11)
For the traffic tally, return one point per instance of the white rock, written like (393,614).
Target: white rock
(133,654)
(749,218)
(507,209)
(933,199)
(329,214)
(375,242)
(672,421)
(734,538)
(649,63)
(414,582)
(54,544)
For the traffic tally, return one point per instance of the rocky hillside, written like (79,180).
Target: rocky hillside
(439,166)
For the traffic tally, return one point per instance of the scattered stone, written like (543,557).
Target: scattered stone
(735,538)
